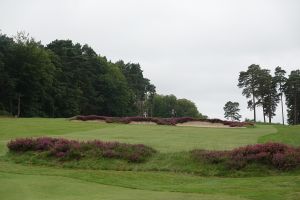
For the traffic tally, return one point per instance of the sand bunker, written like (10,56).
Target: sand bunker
(203,124)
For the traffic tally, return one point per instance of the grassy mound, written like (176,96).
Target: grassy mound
(159,121)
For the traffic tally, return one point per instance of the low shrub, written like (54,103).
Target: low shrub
(28,144)
(280,156)
(71,149)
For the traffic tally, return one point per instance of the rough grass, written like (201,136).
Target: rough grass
(20,181)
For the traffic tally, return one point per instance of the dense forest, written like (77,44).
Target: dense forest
(267,90)
(64,79)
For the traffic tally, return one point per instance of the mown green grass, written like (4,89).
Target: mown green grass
(285,134)
(36,187)
(19,181)
(271,187)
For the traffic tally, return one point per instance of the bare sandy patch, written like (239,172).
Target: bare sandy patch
(145,123)
(203,124)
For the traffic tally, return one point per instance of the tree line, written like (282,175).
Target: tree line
(267,90)
(63,79)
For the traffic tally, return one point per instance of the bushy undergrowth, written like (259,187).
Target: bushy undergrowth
(64,149)
(280,156)
(160,121)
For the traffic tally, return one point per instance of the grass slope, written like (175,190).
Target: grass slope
(285,134)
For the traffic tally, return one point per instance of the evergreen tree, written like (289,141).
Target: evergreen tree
(280,81)
(267,94)
(292,93)
(248,80)
(231,111)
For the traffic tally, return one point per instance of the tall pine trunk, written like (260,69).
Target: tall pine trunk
(282,109)
(295,111)
(19,106)
(254,108)
(264,114)
(270,110)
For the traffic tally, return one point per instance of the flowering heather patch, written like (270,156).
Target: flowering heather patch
(160,121)
(28,144)
(71,149)
(278,155)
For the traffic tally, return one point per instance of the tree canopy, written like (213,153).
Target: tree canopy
(292,93)
(63,79)
(231,111)
(267,90)
(169,106)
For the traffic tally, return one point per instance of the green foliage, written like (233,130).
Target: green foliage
(65,79)
(169,106)
(185,107)
(267,93)
(259,85)
(280,80)
(248,80)
(29,74)
(292,93)
(231,111)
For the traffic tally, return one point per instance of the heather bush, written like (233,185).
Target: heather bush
(28,144)
(280,156)
(64,149)
(22,145)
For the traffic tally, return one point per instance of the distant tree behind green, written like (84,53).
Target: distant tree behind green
(231,111)
(169,106)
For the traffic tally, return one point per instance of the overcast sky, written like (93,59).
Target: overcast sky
(190,48)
